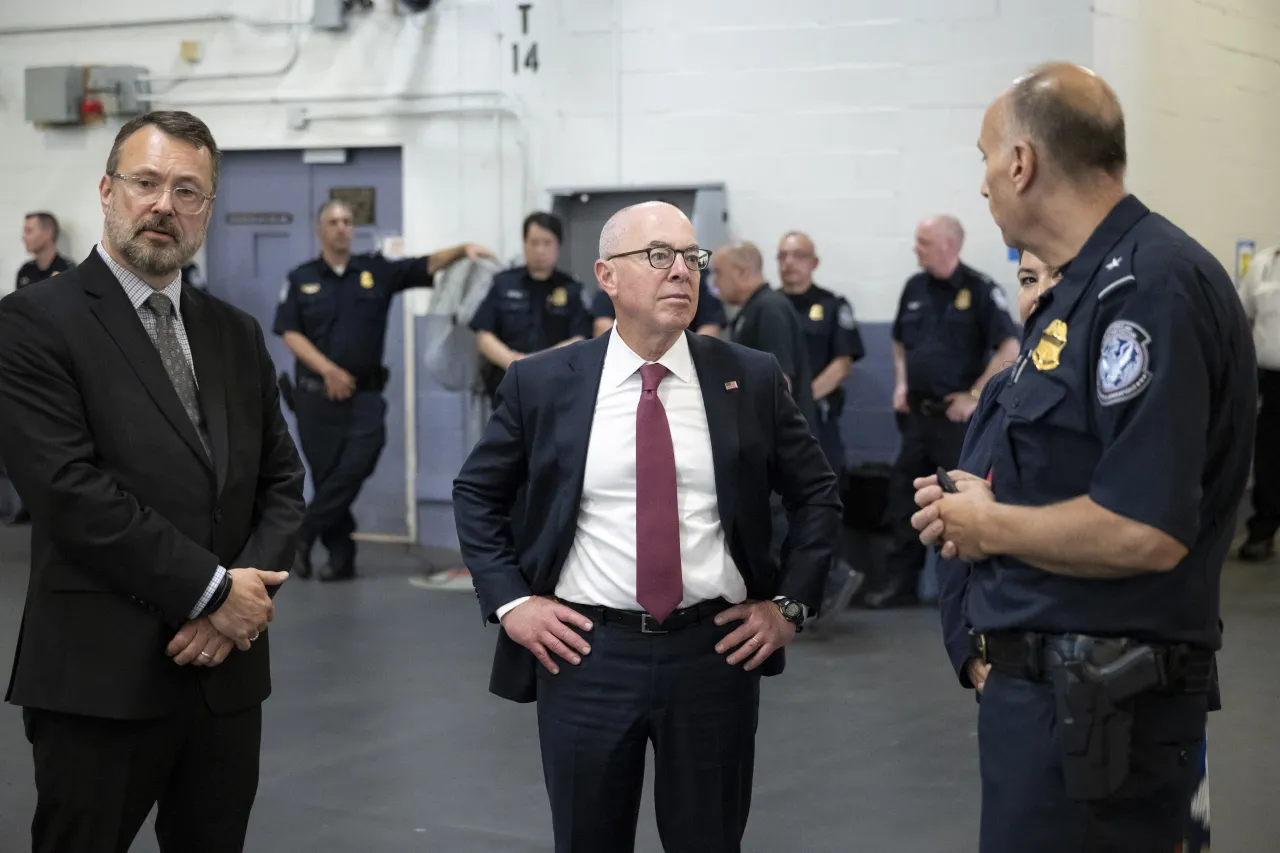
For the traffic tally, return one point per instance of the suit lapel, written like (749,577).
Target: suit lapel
(205,340)
(720,396)
(120,319)
(576,408)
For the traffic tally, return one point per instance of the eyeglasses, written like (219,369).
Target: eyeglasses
(664,257)
(186,200)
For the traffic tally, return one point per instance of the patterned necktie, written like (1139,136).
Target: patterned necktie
(659,586)
(175,363)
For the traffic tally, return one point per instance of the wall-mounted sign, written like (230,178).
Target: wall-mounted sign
(360,200)
(259,218)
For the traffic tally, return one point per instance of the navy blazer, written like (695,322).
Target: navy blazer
(953,574)
(517,497)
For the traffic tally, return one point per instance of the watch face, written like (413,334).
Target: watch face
(791,611)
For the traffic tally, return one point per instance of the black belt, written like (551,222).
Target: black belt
(929,407)
(635,620)
(313,384)
(1183,668)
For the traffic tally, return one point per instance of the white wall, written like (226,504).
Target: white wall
(1200,85)
(850,119)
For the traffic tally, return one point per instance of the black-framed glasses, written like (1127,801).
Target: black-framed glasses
(663,257)
(186,200)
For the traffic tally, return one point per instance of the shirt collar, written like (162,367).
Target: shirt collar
(620,361)
(138,290)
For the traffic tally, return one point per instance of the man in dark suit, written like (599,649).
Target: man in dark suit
(141,422)
(622,488)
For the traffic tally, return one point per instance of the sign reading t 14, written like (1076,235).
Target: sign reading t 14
(530,61)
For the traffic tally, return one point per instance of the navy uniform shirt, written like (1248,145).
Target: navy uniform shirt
(768,323)
(30,272)
(530,316)
(1136,386)
(949,329)
(830,332)
(345,316)
(710,310)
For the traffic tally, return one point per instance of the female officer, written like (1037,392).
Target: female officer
(1034,278)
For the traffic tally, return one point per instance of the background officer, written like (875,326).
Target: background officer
(1099,544)
(709,319)
(950,319)
(40,237)
(530,308)
(333,316)
(831,333)
(1260,295)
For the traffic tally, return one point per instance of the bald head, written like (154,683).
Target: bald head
(1071,116)
(738,271)
(938,242)
(797,259)
(619,232)
(744,256)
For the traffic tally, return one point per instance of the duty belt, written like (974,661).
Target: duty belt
(929,407)
(315,385)
(1031,656)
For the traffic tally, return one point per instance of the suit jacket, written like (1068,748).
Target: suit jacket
(517,497)
(130,517)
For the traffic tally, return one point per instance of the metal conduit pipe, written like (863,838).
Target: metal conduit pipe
(261,98)
(56,29)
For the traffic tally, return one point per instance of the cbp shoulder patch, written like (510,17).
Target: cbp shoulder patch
(1123,364)
(998,297)
(284,290)
(845,316)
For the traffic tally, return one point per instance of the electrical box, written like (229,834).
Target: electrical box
(76,94)
(54,94)
(329,15)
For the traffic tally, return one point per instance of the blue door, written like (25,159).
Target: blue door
(264,225)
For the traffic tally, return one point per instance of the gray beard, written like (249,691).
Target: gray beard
(145,256)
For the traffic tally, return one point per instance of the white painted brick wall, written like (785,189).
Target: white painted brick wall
(1200,83)
(847,118)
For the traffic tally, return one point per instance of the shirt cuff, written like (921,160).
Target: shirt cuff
(507,608)
(208,593)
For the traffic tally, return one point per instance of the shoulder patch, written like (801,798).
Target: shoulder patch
(1115,285)
(998,297)
(845,316)
(284,290)
(1124,363)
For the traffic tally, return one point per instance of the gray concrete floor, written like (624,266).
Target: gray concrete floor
(380,735)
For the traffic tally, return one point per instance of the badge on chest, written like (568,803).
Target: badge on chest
(1048,353)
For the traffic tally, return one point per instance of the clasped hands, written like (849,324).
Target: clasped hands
(545,626)
(957,521)
(208,640)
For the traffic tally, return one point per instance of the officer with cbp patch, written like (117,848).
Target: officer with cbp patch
(333,317)
(1098,545)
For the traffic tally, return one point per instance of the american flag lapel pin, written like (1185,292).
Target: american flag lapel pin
(731,385)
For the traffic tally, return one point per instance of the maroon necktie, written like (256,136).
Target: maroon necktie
(659,586)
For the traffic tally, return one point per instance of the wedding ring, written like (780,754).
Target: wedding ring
(206,655)
(255,636)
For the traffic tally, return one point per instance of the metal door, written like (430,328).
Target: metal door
(264,225)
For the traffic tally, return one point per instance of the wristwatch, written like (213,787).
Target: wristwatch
(792,611)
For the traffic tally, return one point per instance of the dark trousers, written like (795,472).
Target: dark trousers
(97,779)
(832,442)
(927,443)
(596,720)
(1266,460)
(1024,803)
(342,442)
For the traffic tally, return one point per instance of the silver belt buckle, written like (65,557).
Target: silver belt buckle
(646,620)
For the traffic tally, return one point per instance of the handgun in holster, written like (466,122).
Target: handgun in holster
(1094,713)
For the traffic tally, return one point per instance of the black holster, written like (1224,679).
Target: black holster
(1093,691)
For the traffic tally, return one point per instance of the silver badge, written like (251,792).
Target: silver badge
(1123,364)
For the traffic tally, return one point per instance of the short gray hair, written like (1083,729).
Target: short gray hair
(175,124)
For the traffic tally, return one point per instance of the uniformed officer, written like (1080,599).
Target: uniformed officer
(530,308)
(765,320)
(950,320)
(40,237)
(832,336)
(333,316)
(1115,482)
(709,319)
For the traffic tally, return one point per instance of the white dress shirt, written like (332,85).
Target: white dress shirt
(601,567)
(1260,293)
